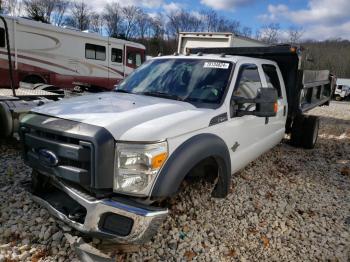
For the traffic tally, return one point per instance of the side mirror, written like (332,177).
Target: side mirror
(265,104)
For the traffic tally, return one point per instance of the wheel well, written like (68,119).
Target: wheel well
(206,167)
(34,79)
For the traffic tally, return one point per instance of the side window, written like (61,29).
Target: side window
(95,52)
(138,59)
(272,78)
(117,55)
(2,37)
(248,82)
(134,58)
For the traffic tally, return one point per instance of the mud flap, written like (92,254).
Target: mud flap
(222,185)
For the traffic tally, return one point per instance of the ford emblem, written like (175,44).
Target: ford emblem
(47,157)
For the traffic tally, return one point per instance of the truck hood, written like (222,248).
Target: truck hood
(130,117)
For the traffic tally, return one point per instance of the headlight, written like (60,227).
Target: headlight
(137,165)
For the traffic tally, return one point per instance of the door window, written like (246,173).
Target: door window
(117,55)
(95,52)
(2,37)
(248,84)
(135,58)
(272,79)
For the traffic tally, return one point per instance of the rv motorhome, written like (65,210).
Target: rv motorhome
(214,39)
(43,53)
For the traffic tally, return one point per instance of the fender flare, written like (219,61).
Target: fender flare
(187,156)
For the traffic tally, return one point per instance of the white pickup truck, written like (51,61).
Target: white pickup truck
(101,162)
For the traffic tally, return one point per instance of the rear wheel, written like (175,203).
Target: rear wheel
(338,98)
(305,131)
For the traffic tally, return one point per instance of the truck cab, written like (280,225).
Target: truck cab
(101,161)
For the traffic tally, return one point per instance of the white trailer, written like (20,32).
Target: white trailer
(208,39)
(43,53)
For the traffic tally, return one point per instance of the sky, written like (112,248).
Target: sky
(318,19)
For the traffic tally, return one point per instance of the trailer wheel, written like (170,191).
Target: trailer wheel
(310,132)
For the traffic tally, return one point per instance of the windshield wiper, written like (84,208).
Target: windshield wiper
(161,94)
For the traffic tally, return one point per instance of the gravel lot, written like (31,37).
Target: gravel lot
(289,204)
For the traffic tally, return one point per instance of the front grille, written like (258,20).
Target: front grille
(55,137)
(75,157)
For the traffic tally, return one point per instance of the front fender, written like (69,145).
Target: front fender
(187,156)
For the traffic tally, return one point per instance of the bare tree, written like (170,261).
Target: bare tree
(96,23)
(157,26)
(39,10)
(12,7)
(130,14)
(270,33)
(209,20)
(143,22)
(246,31)
(80,17)
(294,35)
(113,18)
(182,20)
(61,7)
(225,25)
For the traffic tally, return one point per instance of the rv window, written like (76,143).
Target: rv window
(2,37)
(96,52)
(272,78)
(134,58)
(117,55)
(138,59)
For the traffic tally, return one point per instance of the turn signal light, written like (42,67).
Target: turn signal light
(158,160)
(275,107)
(293,49)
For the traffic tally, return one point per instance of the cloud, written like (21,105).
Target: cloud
(172,7)
(321,19)
(98,5)
(225,4)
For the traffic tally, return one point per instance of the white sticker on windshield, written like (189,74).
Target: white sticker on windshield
(220,65)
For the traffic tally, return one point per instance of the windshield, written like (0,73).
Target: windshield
(198,81)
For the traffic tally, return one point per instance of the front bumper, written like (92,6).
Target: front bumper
(145,219)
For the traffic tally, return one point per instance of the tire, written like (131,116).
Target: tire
(310,134)
(338,98)
(305,131)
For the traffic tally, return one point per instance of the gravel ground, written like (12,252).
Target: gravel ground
(289,204)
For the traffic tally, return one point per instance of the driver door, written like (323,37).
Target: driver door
(247,133)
